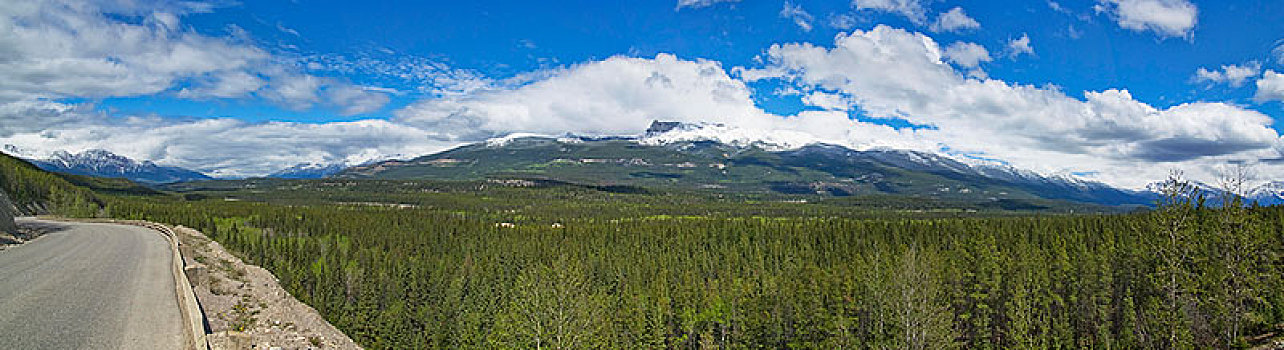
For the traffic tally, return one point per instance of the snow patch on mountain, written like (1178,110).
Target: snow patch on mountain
(507,139)
(1269,193)
(309,171)
(664,133)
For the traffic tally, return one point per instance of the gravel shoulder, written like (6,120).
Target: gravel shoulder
(245,306)
(26,230)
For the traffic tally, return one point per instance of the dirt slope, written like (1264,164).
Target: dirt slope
(246,307)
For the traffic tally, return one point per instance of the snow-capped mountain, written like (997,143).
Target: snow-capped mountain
(309,171)
(102,163)
(716,156)
(1045,185)
(663,133)
(1270,193)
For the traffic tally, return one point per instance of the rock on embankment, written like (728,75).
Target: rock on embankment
(7,212)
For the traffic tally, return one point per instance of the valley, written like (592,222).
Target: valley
(520,261)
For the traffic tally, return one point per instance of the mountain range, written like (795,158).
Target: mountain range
(688,156)
(308,171)
(719,158)
(101,163)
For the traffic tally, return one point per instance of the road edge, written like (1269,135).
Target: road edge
(189,307)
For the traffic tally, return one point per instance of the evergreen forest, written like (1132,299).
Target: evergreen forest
(458,265)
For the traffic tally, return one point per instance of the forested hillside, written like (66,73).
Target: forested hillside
(35,191)
(504,270)
(738,168)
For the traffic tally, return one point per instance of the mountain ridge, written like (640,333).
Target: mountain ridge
(103,163)
(718,157)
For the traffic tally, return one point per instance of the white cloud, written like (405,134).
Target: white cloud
(618,95)
(967,55)
(613,96)
(695,4)
(842,21)
(427,76)
(224,84)
(622,95)
(1278,52)
(1270,87)
(1231,74)
(914,10)
(1167,18)
(954,21)
(56,49)
(281,27)
(1055,6)
(301,92)
(353,100)
(892,73)
(1073,33)
(827,101)
(798,15)
(1020,46)
(233,148)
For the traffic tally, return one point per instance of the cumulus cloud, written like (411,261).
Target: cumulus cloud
(611,96)
(1167,18)
(1020,46)
(615,96)
(798,15)
(622,95)
(967,55)
(1231,74)
(892,73)
(914,10)
(695,4)
(56,49)
(1270,87)
(954,20)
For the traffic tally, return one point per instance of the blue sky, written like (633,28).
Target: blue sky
(501,39)
(1125,72)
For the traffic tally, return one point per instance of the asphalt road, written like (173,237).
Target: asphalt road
(89,286)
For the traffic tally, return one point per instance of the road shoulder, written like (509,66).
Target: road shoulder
(27,229)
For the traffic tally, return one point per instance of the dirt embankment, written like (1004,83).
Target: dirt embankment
(7,212)
(246,307)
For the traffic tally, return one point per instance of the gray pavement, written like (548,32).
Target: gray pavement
(89,286)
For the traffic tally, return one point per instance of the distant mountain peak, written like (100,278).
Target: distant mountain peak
(104,163)
(1269,193)
(659,127)
(309,170)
